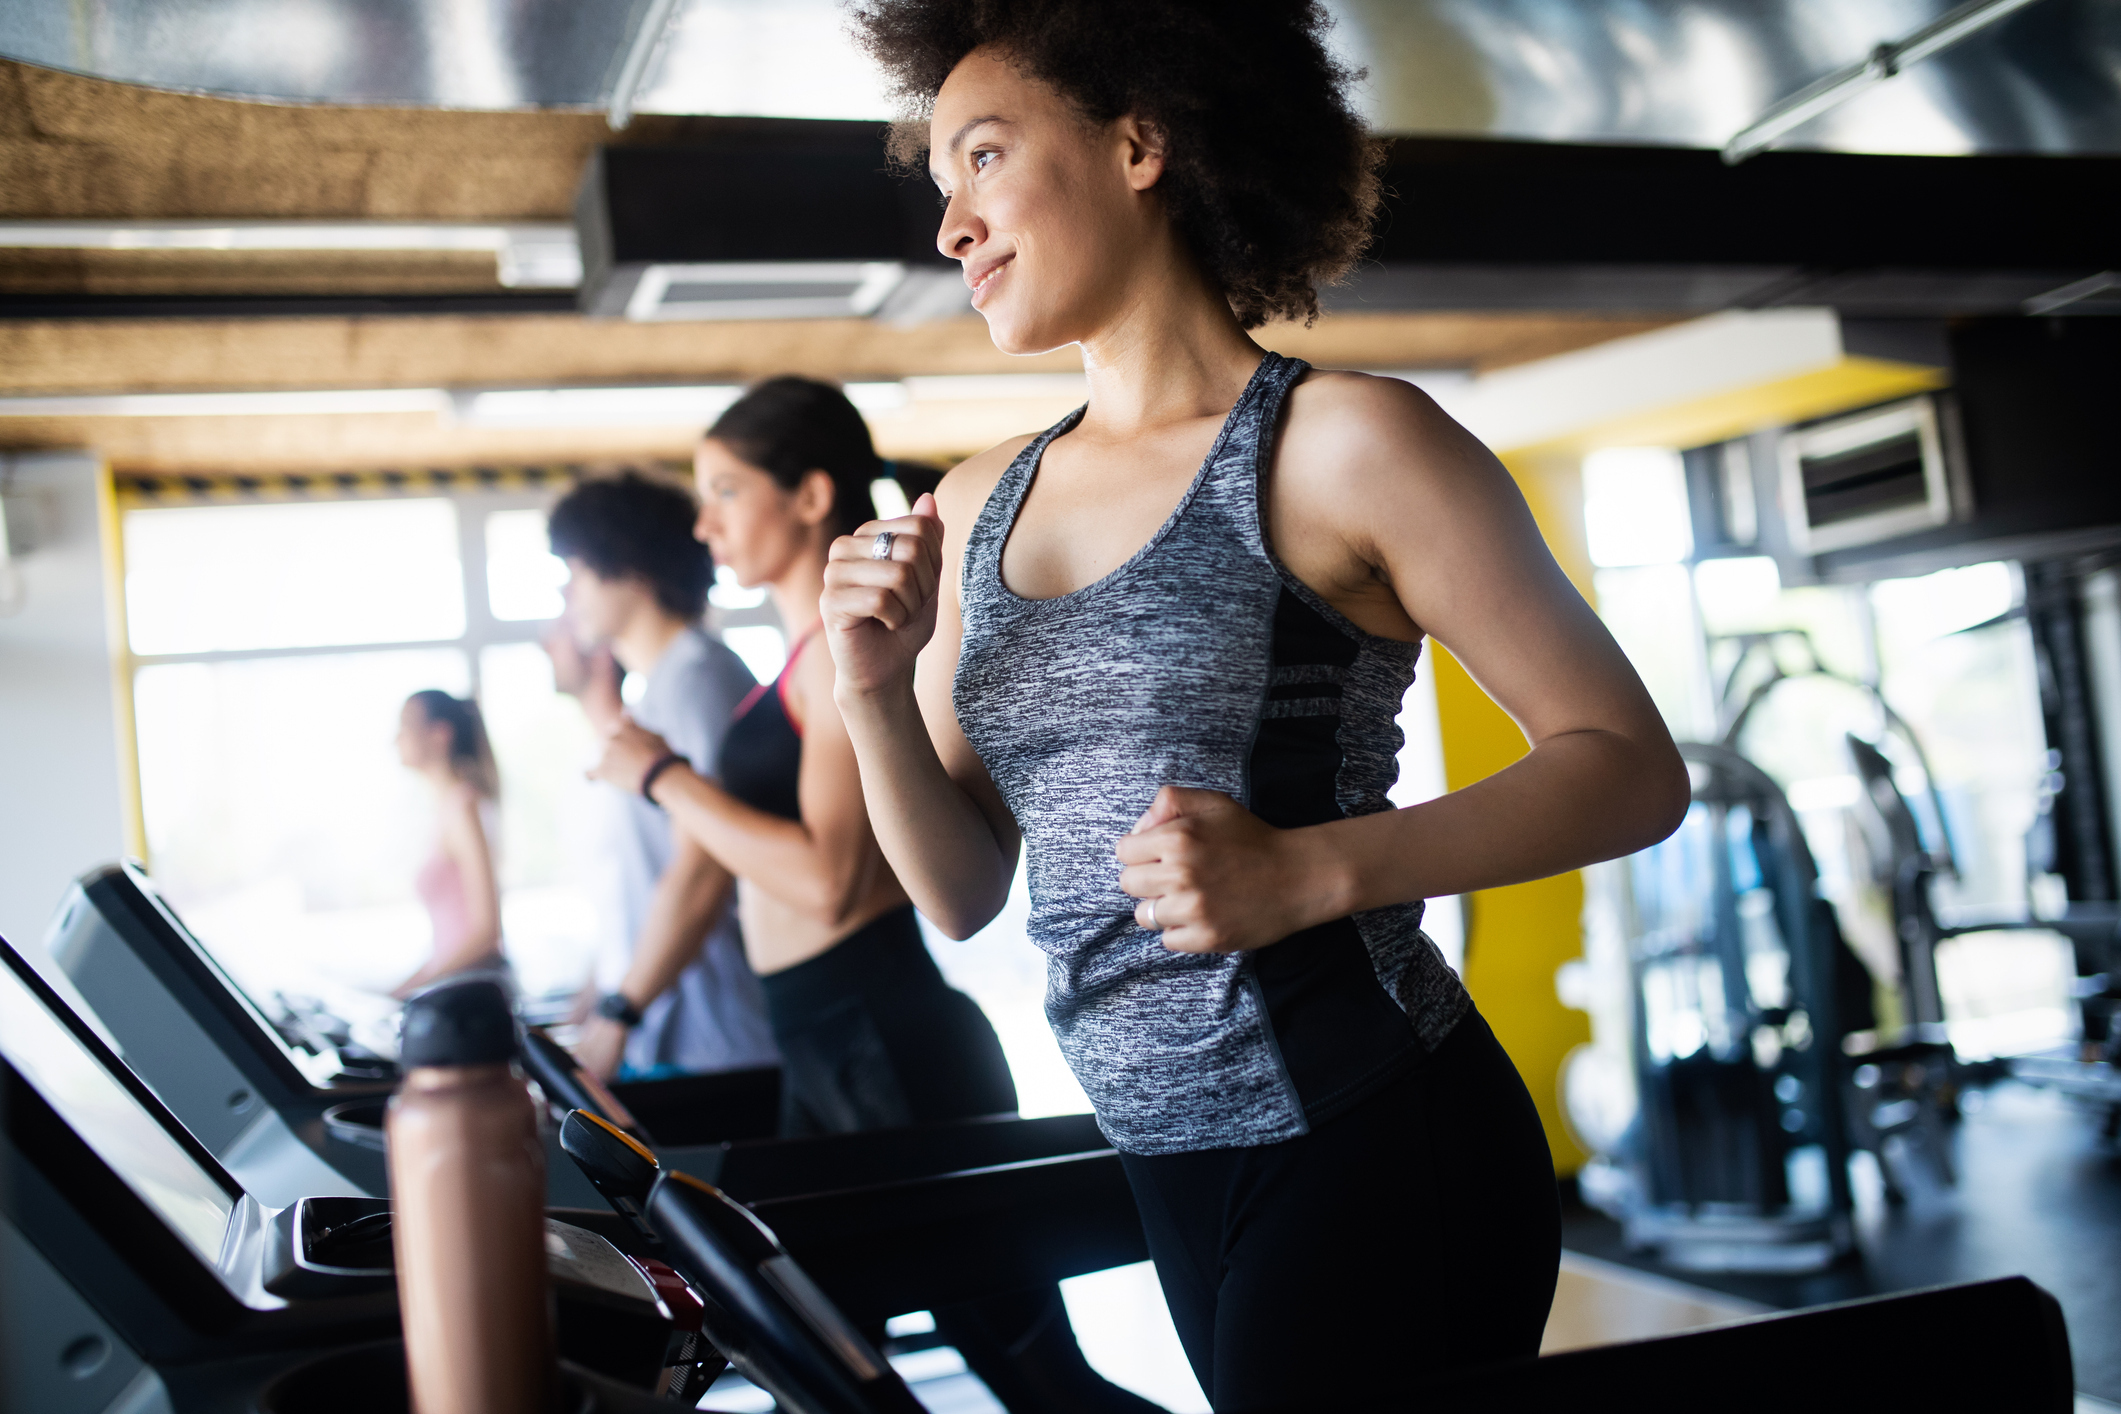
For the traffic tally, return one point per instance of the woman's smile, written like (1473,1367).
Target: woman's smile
(981,276)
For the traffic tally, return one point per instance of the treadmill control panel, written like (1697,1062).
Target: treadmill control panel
(196,1203)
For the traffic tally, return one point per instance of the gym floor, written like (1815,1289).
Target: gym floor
(2039,1195)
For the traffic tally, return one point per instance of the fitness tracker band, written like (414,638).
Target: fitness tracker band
(614,1006)
(662,764)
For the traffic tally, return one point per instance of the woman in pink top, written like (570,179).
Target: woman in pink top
(444,739)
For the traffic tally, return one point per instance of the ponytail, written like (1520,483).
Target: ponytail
(470,753)
(789,427)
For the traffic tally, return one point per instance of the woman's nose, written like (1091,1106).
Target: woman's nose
(961,231)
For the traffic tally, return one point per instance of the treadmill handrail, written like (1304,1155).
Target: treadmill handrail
(764,1312)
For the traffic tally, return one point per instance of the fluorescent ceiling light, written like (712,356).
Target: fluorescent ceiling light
(291,403)
(877,397)
(693,406)
(527,255)
(649,405)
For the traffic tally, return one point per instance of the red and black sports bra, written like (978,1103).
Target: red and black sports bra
(762,753)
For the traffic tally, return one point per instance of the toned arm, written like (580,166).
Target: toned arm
(688,898)
(894,629)
(1408,525)
(821,865)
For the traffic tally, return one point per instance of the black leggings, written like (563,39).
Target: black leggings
(1417,1233)
(871,1037)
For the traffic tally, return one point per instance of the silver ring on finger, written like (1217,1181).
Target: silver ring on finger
(1154,926)
(881,550)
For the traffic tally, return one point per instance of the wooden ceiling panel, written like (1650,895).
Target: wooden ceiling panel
(44,356)
(86,149)
(166,356)
(73,147)
(246,272)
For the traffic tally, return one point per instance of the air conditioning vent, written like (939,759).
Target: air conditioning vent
(746,290)
(1865,478)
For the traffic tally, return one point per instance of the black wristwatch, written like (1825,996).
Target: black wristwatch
(615,1007)
(662,764)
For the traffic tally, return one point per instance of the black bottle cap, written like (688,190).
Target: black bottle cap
(459,1023)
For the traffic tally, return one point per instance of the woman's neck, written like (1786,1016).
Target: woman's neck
(1172,351)
(796,591)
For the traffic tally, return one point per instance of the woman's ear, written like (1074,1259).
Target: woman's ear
(815,496)
(1142,150)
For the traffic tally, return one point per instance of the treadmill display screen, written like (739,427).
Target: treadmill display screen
(317,1066)
(104,1113)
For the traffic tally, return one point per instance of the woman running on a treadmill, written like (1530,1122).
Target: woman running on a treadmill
(870,1035)
(1163,643)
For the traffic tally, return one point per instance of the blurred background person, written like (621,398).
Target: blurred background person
(672,992)
(443,738)
(870,1034)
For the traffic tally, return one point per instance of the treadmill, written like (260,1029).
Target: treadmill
(250,1091)
(137,1273)
(289,1102)
(294,1115)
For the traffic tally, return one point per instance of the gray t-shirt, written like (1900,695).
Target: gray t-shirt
(715,1017)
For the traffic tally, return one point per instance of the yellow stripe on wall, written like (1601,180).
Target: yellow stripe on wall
(118,632)
(1516,937)
(1851,383)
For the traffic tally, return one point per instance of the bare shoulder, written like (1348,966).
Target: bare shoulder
(1368,445)
(1375,491)
(1357,420)
(967,486)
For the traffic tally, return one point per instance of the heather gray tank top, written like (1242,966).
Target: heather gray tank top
(1199,662)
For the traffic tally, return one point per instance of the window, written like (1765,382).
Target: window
(273,646)
(204,579)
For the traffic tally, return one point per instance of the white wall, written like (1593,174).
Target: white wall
(61,811)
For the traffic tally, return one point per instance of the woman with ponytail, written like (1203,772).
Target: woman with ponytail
(443,739)
(871,1036)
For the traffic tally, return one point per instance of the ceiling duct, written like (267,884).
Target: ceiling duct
(811,225)
(1690,73)
(1485,224)
(807,220)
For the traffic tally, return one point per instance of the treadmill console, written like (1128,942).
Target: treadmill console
(126,1247)
(250,1090)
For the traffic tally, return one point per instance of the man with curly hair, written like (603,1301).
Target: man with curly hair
(1163,645)
(672,993)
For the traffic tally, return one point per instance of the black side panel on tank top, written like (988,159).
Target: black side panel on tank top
(762,757)
(1341,1037)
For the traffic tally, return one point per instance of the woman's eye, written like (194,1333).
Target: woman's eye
(981,158)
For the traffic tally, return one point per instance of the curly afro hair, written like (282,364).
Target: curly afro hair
(629,526)
(1269,174)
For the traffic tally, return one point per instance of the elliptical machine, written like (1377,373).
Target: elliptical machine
(1755,1052)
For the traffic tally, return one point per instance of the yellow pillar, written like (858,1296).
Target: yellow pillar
(1517,936)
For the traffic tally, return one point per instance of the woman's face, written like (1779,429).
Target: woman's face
(421,740)
(750,523)
(1047,212)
